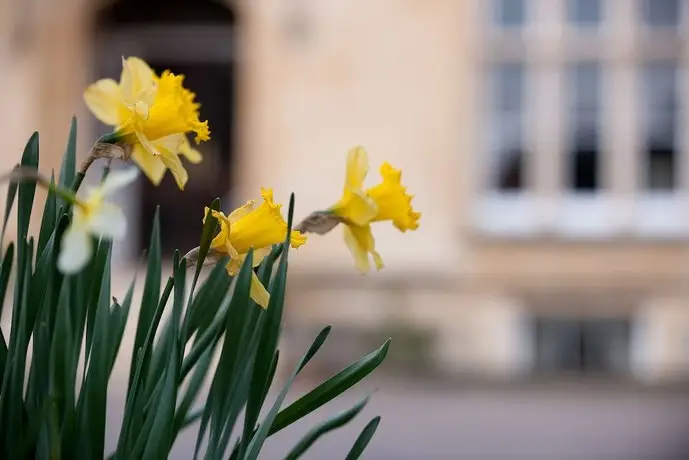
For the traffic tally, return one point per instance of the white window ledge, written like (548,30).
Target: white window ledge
(661,216)
(648,217)
(509,215)
(589,217)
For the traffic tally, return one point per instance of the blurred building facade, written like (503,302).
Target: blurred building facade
(543,138)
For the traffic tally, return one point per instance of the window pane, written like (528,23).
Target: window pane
(660,120)
(507,126)
(584,12)
(584,145)
(509,13)
(661,13)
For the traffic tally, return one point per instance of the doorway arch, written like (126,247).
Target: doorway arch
(194,38)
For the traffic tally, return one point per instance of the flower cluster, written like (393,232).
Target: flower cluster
(151,116)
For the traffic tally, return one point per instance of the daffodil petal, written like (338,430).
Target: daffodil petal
(151,165)
(358,251)
(233,266)
(241,211)
(173,163)
(191,154)
(260,254)
(357,167)
(104,100)
(137,81)
(109,221)
(258,292)
(118,179)
(75,251)
(146,144)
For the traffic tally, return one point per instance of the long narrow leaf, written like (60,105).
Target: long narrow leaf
(161,436)
(330,389)
(270,335)
(364,439)
(27,189)
(9,203)
(151,294)
(262,433)
(69,160)
(325,427)
(5,272)
(49,220)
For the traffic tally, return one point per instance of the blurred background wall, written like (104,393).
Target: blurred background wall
(544,140)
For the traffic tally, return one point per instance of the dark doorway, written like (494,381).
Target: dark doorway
(193,38)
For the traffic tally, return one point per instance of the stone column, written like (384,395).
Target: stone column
(544,124)
(621,140)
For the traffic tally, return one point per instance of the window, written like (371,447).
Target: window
(661,13)
(585,13)
(507,126)
(509,13)
(583,127)
(582,346)
(660,101)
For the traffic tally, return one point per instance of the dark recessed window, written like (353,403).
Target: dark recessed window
(660,97)
(661,13)
(509,14)
(583,127)
(507,126)
(584,13)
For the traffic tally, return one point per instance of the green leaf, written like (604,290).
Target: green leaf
(151,294)
(63,365)
(27,189)
(161,436)
(227,376)
(92,401)
(101,265)
(270,335)
(69,160)
(193,389)
(364,438)
(45,268)
(330,389)
(262,433)
(5,272)
(207,233)
(211,298)
(12,409)
(9,203)
(203,311)
(325,427)
(3,355)
(118,319)
(49,220)
(133,411)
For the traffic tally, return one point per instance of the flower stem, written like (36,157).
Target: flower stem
(106,170)
(78,179)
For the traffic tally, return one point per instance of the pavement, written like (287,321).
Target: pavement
(427,421)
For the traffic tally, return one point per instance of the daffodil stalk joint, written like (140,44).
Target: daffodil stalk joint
(152,115)
(92,215)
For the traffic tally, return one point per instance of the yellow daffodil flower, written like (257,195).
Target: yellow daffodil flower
(251,226)
(358,208)
(153,114)
(93,216)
